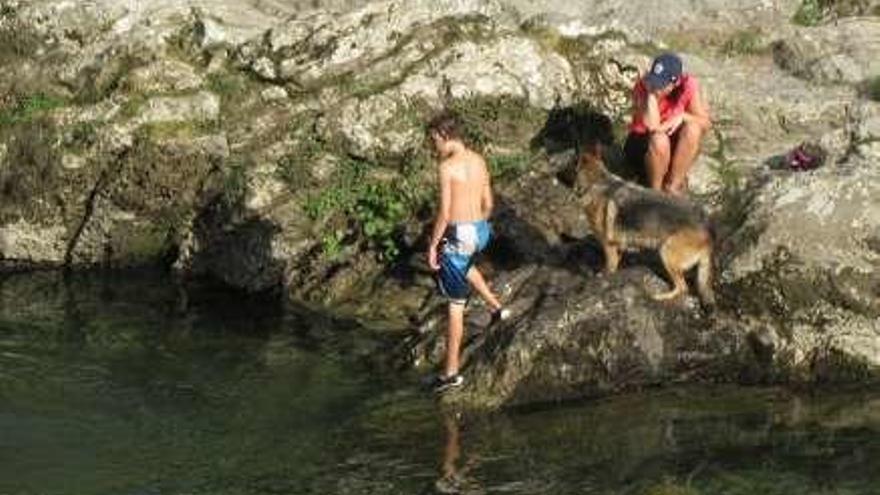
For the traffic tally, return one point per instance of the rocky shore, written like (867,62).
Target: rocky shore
(278,146)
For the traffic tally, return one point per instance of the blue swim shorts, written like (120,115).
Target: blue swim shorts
(461,243)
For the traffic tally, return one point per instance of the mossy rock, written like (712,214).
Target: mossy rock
(30,173)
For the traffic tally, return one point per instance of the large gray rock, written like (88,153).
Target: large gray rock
(575,334)
(23,243)
(806,262)
(842,52)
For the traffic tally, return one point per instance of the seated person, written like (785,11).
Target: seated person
(669,120)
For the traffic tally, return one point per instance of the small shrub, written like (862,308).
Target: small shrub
(376,208)
(810,13)
(745,42)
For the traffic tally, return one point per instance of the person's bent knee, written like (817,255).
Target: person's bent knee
(659,144)
(693,130)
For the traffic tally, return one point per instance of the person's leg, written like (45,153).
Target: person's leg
(454,334)
(657,159)
(475,277)
(687,147)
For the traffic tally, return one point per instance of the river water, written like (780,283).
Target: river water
(118,384)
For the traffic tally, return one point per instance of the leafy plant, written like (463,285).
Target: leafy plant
(376,208)
(810,13)
(26,108)
(331,244)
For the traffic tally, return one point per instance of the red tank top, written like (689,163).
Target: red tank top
(670,105)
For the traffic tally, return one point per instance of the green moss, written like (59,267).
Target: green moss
(137,245)
(498,123)
(871,88)
(166,131)
(809,13)
(29,107)
(745,42)
(507,166)
(81,136)
(835,366)
(431,40)
(133,105)
(100,81)
(234,186)
(30,173)
(226,85)
(17,39)
(813,12)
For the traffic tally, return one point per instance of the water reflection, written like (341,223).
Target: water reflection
(455,473)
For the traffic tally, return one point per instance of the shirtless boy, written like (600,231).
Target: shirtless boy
(461,231)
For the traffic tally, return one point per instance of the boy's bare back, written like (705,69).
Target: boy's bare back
(469,186)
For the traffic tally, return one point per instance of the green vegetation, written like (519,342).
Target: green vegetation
(810,13)
(373,199)
(813,12)
(234,184)
(375,208)
(503,167)
(7,11)
(29,174)
(17,40)
(294,168)
(871,88)
(103,80)
(744,42)
(499,123)
(225,84)
(81,136)
(27,108)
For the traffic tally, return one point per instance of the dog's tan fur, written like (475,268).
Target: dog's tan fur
(624,216)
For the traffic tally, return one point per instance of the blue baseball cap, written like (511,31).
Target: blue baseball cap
(665,69)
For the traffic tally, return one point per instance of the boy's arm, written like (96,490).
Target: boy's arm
(487,202)
(442,220)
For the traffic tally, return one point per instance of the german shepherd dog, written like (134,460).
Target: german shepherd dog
(623,216)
